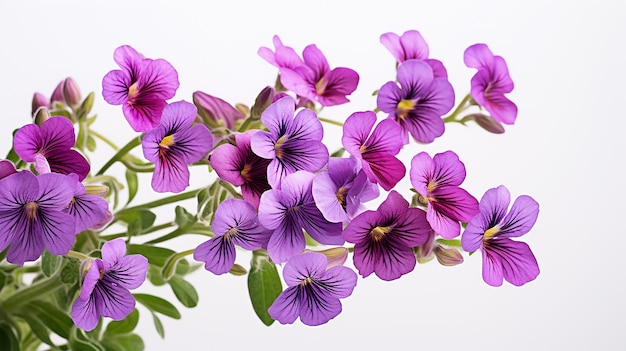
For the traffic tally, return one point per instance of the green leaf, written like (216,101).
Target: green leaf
(183,217)
(91,143)
(124,326)
(50,263)
(157,304)
(143,216)
(8,339)
(37,327)
(184,291)
(79,341)
(338,153)
(238,270)
(264,285)
(123,343)
(3,280)
(70,272)
(158,326)
(155,277)
(133,184)
(55,319)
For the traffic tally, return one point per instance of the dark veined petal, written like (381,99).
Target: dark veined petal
(112,252)
(383,168)
(27,244)
(286,241)
(115,86)
(300,267)
(87,211)
(478,56)
(117,301)
(521,217)
(286,308)
(56,229)
(86,312)
(508,259)
(315,59)
(228,161)
(170,174)
(449,170)
(27,142)
(415,78)
(317,306)
(127,271)
(356,129)
(388,259)
(388,97)
(145,114)
(218,254)
(68,162)
(91,278)
(454,202)
(158,79)
(339,281)
(339,82)
(443,225)
(6,168)
(384,138)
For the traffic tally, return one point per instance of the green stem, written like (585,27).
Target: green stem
(147,231)
(78,255)
(460,108)
(163,201)
(33,292)
(119,154)
(181,231)
(103,138)
(330,121)
(143,168)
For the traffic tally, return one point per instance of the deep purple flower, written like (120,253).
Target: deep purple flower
(411,45)
(491,231)
(384,239)
(287,211)
(6,168)
(106,284)
(419,102)
(340,192)
(141,86)
(238,165)
(376,152)
(313,291)
(174,144)
(437,180)
(235,223)
(86,209)
(284,57)
(292,143)
(490,83)
(32,216)
(50,147)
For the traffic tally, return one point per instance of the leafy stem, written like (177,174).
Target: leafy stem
(120,153)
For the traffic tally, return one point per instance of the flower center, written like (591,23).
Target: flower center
(132,93)
(404,107)
(341,196)
(320,86)
(230,232)
(245,173)
(279,145)
(378,233)
(491,232)
(306,281)
(31,210)
(167,141)
(102,273)
(432,185)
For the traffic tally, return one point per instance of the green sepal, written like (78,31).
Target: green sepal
(158,325)
(80,341)
(264,285)
(183,217)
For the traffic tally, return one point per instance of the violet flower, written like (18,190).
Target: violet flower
(50,147)
(419,102)
(491,231)
(437,180)
(490,83)
(283,57)
(87,210)
(106,284)
(375,152)
(313,291)
(141,86)
(411,45)
(235,223)
(174,144)
(384,239)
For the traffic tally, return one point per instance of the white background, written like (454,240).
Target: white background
(566,150)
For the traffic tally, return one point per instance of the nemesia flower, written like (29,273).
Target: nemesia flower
(6,168)
(215,109)
(313,291)
(238,165)
(106,285)
(292,143)
(491,231)
(490,83)
(174,144)
(50,147)
(376,151)
(419,102)
(437,180)
(141,86)
(87,210)
(384,239)
(32,216)
(411,45)
(288,210)
(235,223)
(283,57)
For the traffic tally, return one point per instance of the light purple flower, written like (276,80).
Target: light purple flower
(491,231)
(375,152)
(292,143)
(313,291)
(238,165)
(340,192)
(437,180)
(235,223)
(106,285)
(411,45)
(419,102)
(50,147)
(287,211)
(283,57)
(32,216)
(490,83)
(174,144)
(384,239)
(87,210)
(141,86)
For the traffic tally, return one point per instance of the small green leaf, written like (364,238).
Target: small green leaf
(70,272)
(155,277)
(3,280)
(133,184)
(338,153)
(158,326)
(50,263)
(124,326)
(123,343)
(157,304)
(264,285)
(183,217)
(8,339)
(91,143)
(184,291)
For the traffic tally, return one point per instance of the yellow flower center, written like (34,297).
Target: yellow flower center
(31,210)
(320,86)
(378,233)
(341,196)
(404,107)
(245,171)
(306,281)
(167,141)
(278,146)
(491,232)
(132,93)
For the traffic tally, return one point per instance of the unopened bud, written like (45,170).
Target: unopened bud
(39,100)
(262,101)
(424,253)
(238,270)
(87,104)
(57,94)
(98,190)
(71,92)
(213,110)
(41,115)
(487,123)
(448,256)
(336,256)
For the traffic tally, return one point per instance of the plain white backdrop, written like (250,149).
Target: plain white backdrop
(566,150)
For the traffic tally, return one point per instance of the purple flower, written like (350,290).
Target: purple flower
(87,210)
(419,102)
(141,86)
(375,152)
(384,239)
(287,211)
(174,144)
(6,168)
(106,285)
(238,165)
(490,83)
(32,216)
(50,147)
(284,57)
(411,45)
(313,291)
(235,223)
(491,231)
(437,180)
(340,192)
(292,143)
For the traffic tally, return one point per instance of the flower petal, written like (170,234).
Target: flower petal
(218,254)
(508,259)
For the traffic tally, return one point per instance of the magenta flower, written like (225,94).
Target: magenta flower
(491,231)
(50,147)
(411,45)
(106,284)
(6,168)
(292,143)
(174,144)
(313,291)
(235,223)
(238,165)
(288,210)
(141,86)
(283,57)
(437,180)
(490,83)
(384,239)
(32,215)
(419,102)
(87,210)
(375,152)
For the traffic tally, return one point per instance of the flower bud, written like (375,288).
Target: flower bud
(336,256)
(487,123)
(448,256)
(71,92)
(39,100)
(238,270)
(41,115)
(98,190)
(424,253)
(57,94)
(214,110)
(103,223)
(262,101)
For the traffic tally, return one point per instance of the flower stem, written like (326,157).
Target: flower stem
(330,121)
(78,255)
(103,138)
(119,154)
(460,108)
(164,201)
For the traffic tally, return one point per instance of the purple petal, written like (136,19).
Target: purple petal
(286,308)
(68,162)
(299,267)
(115,86)
(57,231)
(384,138)
(6,168)
(218,254)
(384,169)
(325,194)
(217,109)
(128,59)
(439,71)
(340,281)
(178,116)
(86,313)
(339,82)
(521,217)
(92,277)
(356,129)
(388,97)
(315,60)
(129,271)
(422,172)
(413,45)
(443,225)
(87,211)
(478,56)
(145,116)
(454,202)
(28,246)
(392,42)
(158,79)
(170,174)
(508,259)
(117,301)
(388,259)
(112,252)
(415,76)
(228,161)
(271,209)
(27,142)
(449,170)
(317,306)
(286,241)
